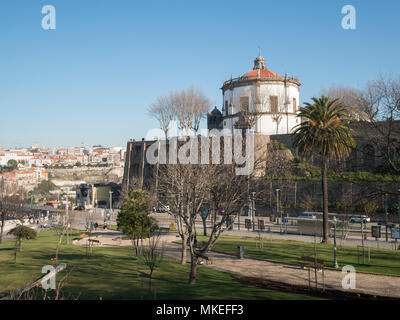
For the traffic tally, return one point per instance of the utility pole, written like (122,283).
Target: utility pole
(67,215)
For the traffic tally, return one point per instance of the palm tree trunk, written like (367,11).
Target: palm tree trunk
(325,218)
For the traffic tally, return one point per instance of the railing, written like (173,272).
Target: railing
(270,78)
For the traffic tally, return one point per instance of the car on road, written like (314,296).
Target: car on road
(163,209)
(307,215)
(358,219)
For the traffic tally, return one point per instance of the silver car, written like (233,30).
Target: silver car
(358,219)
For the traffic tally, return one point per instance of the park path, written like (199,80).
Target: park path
(380,285)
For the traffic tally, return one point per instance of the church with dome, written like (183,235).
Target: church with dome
(272,100)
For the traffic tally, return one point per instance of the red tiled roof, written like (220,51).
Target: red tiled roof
(264,73)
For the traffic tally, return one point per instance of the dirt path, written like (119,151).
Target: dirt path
(380,285)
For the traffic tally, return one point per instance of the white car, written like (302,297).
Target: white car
(307,215)
(357,219)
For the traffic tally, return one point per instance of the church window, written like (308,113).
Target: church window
(274,103)
(244,104)
(294,105)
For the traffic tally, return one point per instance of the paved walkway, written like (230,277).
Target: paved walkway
(365,283)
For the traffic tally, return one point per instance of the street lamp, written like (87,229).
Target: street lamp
(398,207)
(277,209)
(334,243)
(111,200)
(386,217)
(253,205)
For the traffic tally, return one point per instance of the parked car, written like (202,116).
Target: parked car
(357,219)
(307,215)
(163,209)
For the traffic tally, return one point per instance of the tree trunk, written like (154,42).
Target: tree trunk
(325,218)
(184,249)
(58,246)
(3,218)
(150,277)
(193,270)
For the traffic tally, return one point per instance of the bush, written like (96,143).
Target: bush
(172,227)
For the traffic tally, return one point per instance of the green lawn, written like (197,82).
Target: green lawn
(111,273)
(288,251)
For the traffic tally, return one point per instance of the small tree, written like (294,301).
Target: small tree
(21,233)
(12,163)
(152,255)
(134,219)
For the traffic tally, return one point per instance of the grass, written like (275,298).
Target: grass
(112,273)
(289,251)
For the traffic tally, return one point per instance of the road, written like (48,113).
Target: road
(289,232)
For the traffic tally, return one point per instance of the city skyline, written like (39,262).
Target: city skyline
(94,76)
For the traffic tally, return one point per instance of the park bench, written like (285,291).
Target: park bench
(316,264)
(311,262)
(118,240)
(164,228)
(93,241)
(204,257)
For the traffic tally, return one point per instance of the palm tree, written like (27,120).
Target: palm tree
(324,128)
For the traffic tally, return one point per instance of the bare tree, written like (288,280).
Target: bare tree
(61,229)
(163,111)
(189,187)
(152,254)
(383,110)
(190,107)
(377,106)
(352,99)
(278,106)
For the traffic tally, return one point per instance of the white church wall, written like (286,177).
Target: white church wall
(266,124)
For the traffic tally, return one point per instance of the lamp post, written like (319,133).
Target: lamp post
(335,265)
(398,208)
(67,218)
(111,200)
(253,205)
(277,209)
(386,217)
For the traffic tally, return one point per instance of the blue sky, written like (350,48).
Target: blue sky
(92,79)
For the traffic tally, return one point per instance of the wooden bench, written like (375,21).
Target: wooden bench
(164,228)
(311,262)
(316,264)
(204,257)
(93,241)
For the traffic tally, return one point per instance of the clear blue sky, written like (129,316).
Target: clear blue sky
(92,79)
